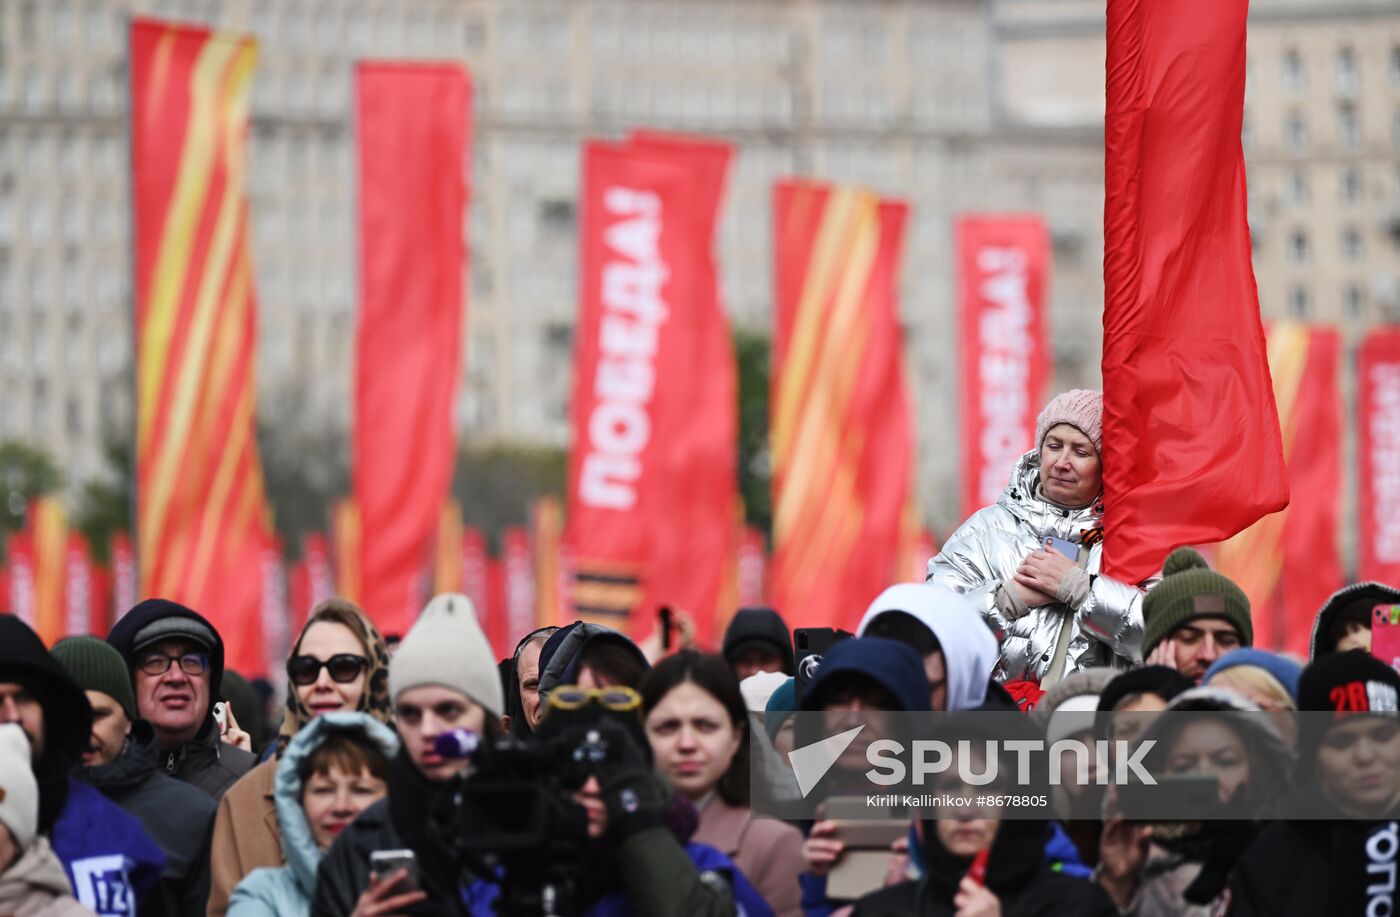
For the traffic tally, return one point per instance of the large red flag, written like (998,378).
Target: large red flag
(19,551)
(201,510)
(1191,445)
(1003,263)
(1288,563)
(842,446)
(648,363)
(124,590)
(1378,509)
(412,133)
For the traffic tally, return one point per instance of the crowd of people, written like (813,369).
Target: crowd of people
(587,773)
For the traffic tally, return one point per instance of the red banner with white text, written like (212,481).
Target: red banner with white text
(1003,267)
(1378,407)
(1288,563)
(651,469)
(412,137)
(841,430)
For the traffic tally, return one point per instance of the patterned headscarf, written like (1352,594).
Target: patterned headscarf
(374,700)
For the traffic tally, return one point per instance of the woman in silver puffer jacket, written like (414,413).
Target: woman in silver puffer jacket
(1052,613)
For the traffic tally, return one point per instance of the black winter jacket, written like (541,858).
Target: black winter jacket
(1303,868)
(1016,873)
(177,816)
(207,763)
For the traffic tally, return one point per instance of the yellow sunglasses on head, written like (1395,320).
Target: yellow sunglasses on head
(572,697)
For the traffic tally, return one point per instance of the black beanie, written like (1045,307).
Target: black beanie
(1350,682)
(762,627)
(1164,682)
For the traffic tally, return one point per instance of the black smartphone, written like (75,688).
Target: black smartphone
(810,643)
(1174,797)
(664,615)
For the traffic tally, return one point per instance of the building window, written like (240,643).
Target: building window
(1348,76)
(1349,184)
(1351,243)
(1348,127)
(1295,132)
(1298,246)
(1298,301)
(1354,300)
(1293,78)
(1298,187)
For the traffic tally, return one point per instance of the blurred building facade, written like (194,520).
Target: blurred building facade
(956,105)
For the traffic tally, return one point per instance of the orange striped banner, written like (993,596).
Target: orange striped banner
(841,443)
(345,530)
(49,523)
(1288,562)
(202,516)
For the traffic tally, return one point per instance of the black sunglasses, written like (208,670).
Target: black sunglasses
(344,668)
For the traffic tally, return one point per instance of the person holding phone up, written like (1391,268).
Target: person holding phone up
(1030,562)
(332,770)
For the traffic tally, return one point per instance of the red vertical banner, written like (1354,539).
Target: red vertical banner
(1288,563)
(20,551)
(547,521)
(841,430)
(345,530)
(651,469)
(48,522)
(476,583)
(202,514)
(493,615)
(124,589)
(447,550)
(413,140)
(518,575)
(79,588)
(1191,441)
(316,555)
(1003,265)
(1378,407)
(275,617)
(753,569)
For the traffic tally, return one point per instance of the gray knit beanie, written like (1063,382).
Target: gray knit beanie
(446,647)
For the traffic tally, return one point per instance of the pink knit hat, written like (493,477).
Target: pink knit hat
(1081,408)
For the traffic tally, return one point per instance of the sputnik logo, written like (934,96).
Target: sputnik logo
(811,762)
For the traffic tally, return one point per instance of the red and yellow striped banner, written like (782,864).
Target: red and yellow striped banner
(49,523)
(202,515)
(1288,562)
(842,449)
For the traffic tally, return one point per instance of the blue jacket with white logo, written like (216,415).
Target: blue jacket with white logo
(111,862)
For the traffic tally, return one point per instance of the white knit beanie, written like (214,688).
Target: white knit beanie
(1081,408)
(19,792)
(447,647)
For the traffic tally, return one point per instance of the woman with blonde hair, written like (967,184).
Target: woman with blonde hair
(338,664)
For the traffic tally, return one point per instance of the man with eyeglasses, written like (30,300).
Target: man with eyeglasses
(110,861)
(176,659)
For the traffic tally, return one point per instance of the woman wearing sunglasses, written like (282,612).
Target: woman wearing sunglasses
(338,664)
(697,724)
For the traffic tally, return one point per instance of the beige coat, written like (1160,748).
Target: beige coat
(246,835)
(768,852)
(35,885)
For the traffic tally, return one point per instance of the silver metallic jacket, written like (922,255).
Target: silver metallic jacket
(987,549)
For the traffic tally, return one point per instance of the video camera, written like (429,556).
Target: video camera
(514,816)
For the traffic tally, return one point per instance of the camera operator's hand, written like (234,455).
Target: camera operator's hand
(627,784)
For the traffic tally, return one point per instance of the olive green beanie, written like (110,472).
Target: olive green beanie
(1191,589)
(96,666)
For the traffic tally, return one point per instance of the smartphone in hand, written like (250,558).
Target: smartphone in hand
(385,863)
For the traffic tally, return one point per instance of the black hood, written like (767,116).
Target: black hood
(124,634)
(759,626)
(67,716)
(1355,600)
